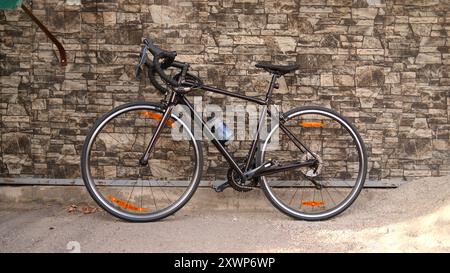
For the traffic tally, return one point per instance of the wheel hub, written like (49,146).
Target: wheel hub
(313,171)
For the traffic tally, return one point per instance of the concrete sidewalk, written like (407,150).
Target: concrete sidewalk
(380,220)
(205,198)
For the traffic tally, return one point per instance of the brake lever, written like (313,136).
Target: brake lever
(142,61)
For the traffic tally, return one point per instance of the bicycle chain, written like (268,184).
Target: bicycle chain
(235,181)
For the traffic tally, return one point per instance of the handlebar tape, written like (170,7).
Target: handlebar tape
(168,59)
(168,56)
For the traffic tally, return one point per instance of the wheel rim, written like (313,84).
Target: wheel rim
(120,196)
(311,206)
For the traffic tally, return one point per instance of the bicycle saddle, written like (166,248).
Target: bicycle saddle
(277,69)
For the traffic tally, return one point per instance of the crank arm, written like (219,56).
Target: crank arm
(221,186)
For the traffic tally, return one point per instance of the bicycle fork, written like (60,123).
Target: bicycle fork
(144,159)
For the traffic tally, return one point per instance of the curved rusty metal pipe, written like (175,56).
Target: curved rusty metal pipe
(62,51)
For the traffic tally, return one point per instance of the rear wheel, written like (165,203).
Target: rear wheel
(119,184)
(330,187)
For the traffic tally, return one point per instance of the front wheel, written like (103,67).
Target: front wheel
(315,192)
(120,184)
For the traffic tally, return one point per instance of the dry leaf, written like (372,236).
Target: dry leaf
(88,209)
(72,208)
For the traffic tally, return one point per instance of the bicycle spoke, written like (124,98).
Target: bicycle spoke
(170,201)
(142,192)
(153,196)
(330,196)
(293,195)
(321,196)
(132,189)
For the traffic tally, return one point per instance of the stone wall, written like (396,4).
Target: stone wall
(384,64)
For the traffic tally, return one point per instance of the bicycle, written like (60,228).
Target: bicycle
(128,156)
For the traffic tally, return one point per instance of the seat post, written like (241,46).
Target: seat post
(272,85)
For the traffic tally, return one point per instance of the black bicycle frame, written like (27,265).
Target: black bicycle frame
(265,168)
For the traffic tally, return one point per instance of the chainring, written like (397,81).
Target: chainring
(235,181)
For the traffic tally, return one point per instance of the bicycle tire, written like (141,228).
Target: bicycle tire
(101,200)
(276,202)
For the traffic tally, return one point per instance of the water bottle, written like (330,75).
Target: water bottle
(220,130)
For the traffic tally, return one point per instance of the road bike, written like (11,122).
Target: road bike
(311,165)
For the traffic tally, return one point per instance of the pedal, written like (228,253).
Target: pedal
(221,186)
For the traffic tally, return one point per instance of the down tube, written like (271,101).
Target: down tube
(212,137)
(255,141)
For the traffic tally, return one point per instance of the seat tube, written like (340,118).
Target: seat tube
(262,116)
(273,82)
